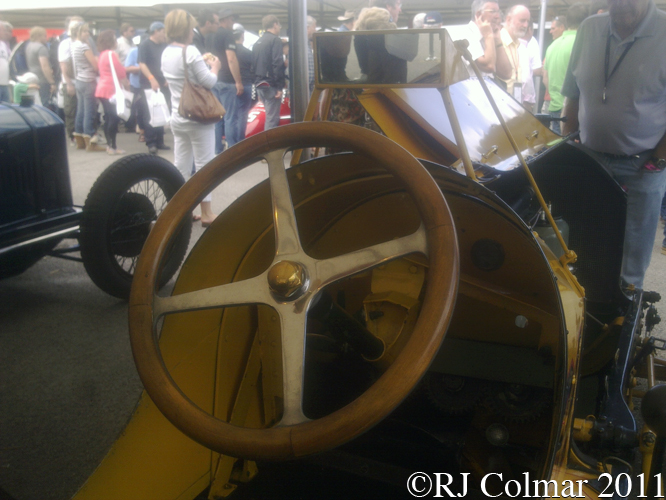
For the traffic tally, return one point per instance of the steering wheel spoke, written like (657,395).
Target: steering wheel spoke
(287,241)
(293,325)
(231,294)
(336,268)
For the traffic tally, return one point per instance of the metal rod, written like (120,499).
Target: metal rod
(58,234)
(457,132)
(569,255)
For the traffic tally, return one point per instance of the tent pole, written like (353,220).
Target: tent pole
(542,36)
(298,59)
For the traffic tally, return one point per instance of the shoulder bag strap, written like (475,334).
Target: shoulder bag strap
(187,78)
(116,82)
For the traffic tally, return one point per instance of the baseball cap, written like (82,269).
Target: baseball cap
(349,15)
(238,29)
(156,26)
(432,18)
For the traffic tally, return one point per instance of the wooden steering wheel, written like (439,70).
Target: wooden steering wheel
(289,286)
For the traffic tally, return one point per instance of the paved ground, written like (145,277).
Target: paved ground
(67,382)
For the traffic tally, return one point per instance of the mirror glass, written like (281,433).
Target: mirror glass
(379,58)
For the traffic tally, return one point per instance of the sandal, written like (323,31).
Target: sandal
(142,138)
(207,223)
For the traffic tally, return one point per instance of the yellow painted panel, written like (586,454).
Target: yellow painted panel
(152,460)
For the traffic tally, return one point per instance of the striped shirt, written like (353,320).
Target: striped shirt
(83,70)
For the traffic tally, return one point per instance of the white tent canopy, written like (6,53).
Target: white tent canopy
(105,14)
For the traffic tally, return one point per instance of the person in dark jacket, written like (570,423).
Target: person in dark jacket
(268,64)
(207,24)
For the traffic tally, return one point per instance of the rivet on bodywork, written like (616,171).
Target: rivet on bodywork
(521,321)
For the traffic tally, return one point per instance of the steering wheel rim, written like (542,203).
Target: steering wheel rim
(295,435)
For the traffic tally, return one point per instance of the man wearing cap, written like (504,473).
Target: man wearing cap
(229,82)
(347,21)
(268,65)
(485,43)
(557,60)
(432,20)
(151,77)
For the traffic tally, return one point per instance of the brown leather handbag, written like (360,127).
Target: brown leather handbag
(197,103)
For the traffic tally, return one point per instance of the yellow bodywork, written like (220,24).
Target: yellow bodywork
(228,361)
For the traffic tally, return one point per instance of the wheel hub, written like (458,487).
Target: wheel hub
(131,224)
(287,280)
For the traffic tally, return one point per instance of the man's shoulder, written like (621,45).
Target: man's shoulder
(506,38)
(595,26)
(223,33)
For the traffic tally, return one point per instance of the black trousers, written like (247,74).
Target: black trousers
(110,123)
(154,135)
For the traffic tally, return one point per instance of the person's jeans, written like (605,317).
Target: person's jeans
(70,113)
(4,93)
(645,191)
(232,105)
(555,126)
(219,126)
(235,129)
(272,106)
(86,107)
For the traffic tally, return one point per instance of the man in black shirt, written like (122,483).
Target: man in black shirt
(229,83)
(268,66)
(244,56)
(207,24)
(151,77)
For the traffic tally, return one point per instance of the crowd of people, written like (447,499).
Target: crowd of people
(621,118)
(77,73)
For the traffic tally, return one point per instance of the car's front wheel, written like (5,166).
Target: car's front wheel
(118,215)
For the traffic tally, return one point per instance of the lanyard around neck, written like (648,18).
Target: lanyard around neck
(607,77)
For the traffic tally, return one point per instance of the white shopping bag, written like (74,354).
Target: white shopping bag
(122,98)
(157,106)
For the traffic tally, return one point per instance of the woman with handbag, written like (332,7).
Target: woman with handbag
(110,69)
(183,67)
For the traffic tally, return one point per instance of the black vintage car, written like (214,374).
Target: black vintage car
(37,211)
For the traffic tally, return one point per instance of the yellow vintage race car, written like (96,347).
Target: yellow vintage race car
(429,306)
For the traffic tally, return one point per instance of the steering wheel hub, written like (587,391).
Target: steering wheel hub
(287,280)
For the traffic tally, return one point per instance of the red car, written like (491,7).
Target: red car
(256,118)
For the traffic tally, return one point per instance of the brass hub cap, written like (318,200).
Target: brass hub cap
(287,280)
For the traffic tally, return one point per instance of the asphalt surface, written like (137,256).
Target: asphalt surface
(67,379)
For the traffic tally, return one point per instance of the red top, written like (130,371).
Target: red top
(105,87)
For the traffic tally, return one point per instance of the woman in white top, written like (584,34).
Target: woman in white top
(85,82)
(193,141)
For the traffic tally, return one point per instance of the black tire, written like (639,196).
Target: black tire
(118,215)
